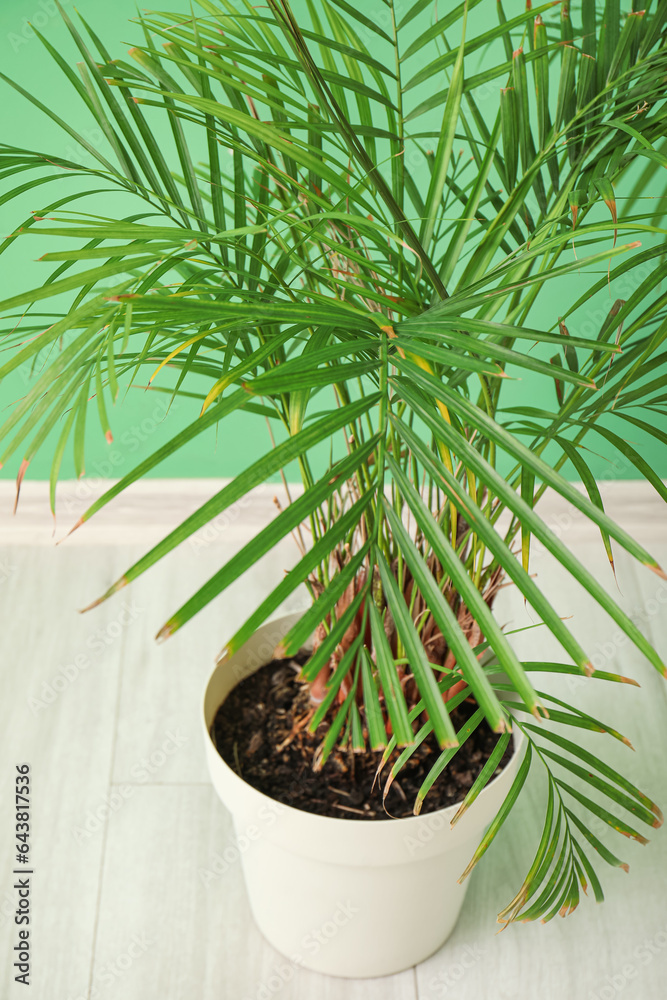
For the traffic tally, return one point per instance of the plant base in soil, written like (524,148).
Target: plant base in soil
(260,731)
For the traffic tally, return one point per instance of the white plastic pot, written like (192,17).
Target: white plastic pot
(354,898)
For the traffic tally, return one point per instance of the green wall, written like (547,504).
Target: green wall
(140,420)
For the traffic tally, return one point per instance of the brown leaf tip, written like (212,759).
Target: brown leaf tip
(19,480)
(72,529)
(658,570)
(462,809)
(165,632)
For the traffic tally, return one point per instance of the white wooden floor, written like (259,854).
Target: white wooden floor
(126,827)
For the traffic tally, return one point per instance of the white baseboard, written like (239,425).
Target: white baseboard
(150,508)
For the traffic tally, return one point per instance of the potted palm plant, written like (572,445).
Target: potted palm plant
(345,223)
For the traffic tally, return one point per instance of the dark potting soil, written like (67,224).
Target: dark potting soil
(260,731)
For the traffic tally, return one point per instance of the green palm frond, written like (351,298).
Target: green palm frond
(309,243)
